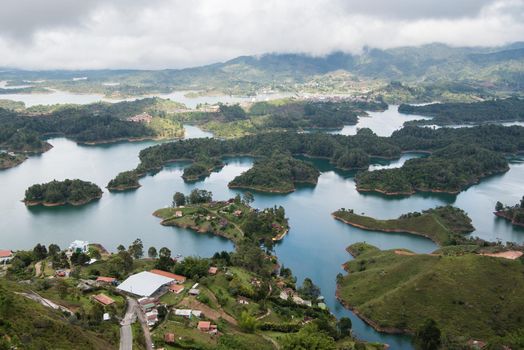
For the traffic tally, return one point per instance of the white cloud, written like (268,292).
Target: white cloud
(180,33)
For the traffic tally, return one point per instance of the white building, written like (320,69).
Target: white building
(79,246)
(144,284)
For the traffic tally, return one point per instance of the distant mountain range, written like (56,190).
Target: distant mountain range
(492,67)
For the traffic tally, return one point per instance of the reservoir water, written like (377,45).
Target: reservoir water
(314,247)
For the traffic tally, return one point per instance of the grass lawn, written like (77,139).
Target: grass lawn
(439,224)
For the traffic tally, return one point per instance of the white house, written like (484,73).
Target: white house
(79,246)
(5,256)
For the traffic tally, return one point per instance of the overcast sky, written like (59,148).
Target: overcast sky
(43,34)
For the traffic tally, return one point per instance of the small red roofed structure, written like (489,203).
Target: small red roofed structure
(103,299)
(177,278)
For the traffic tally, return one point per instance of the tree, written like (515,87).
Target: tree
(40,251)
(247,323)
(427,337)
(248,197)
(152,253)
(62,288)
(179,199)
(78,258)
(200,196)
(94,253)
(165,252)
(164,263)
(308,338)
(120,248)
(499,206)
(344,326)
(522,202)
(53,249)
(309,290)
(136,249)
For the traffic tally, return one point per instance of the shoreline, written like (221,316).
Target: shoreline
(502,214)
(59,204)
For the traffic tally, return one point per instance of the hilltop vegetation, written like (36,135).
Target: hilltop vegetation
(399,292)
(74,192)
(505,110)
(277,173)
(201,168)
(443,225)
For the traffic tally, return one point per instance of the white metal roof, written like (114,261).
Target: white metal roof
(144,283)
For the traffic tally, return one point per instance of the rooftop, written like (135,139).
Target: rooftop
(178,278)
(144,283)
(5,253)
(103,299)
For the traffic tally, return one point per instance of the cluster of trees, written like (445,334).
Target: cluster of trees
(201,168)
(62,192)
(501,110)
(196,196)
(260,226)
(313,114)
(278,172)
(450,169)
(515,213)
(124,181)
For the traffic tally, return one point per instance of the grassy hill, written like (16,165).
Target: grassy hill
(441,224)
(26,324)
(470,296)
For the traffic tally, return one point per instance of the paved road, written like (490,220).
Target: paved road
(126,333)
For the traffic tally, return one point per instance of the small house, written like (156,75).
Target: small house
(298,300)
(183,312)
(194,291)
(179,214)
(175,277)
(242,301)
(169,338)
(152,318)
(103,299)
(5,256)
(108,280)
(206,326)
(106,317)
(176,288)
(237,213)
(213,270)
(322,306)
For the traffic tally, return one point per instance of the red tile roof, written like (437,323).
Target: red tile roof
(177,278)
(103,299)
(213,270)
(169,337)
(176,288)
(5,253)
(106,279)
(204,325)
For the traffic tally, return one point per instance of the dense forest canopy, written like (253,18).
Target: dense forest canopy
(500,110)
(74,192)
(459,157)
(277,173)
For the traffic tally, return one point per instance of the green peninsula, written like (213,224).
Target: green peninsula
(469,296)
(233,219)
(443,225)
(57,193)
(8,160)
(278,174)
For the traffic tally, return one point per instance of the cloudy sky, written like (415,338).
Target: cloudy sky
(38,34)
